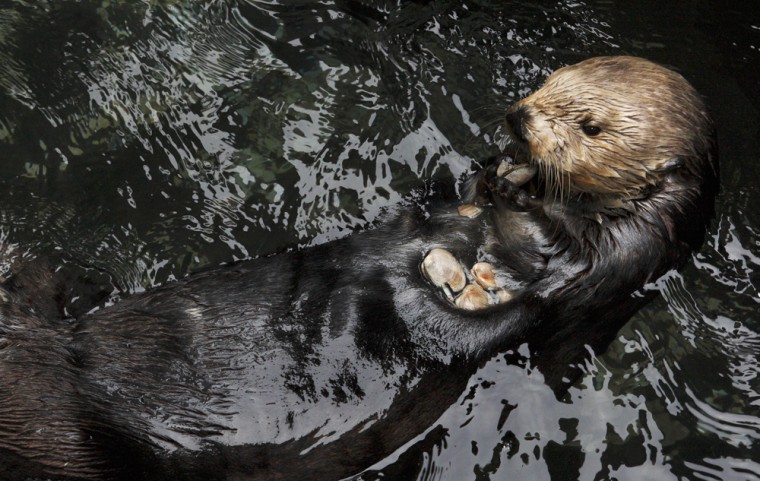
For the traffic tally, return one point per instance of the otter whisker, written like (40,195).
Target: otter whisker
(485,128)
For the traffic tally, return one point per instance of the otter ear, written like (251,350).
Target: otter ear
(671,165)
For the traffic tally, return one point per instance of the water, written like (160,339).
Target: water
(142,141)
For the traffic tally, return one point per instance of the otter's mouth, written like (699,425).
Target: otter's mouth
(519,173)
(517,166)
(516,118)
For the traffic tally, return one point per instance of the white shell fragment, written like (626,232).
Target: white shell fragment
(469,210)
(484,275)
(521,174)
(443,269)
(504,295)
(517,174)
(472,298)
(504,168)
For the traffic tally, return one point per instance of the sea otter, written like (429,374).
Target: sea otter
(313,364)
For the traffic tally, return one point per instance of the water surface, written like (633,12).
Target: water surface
(143,141)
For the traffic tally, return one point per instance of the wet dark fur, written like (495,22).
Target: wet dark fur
(345,337)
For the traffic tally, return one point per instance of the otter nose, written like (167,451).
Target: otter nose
(516,119)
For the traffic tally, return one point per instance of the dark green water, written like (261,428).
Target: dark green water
(142,141)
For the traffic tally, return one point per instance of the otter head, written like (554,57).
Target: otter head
(612,127)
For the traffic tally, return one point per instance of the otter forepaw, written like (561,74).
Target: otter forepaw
(508,191)
(492,172)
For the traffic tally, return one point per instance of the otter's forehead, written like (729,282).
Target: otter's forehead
(623,85)
(621,72)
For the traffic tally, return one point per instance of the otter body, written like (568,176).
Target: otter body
(311,363)
(314,364)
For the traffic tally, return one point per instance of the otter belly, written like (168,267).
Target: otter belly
(267,352)
(320,355)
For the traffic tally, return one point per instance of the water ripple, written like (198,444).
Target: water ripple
(735,428)
(726,469)
(144,140)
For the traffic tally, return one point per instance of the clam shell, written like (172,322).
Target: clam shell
(472,298)
(504,168)
(518,174)
(443,269)
(484,275)
(469,210)
(504,295)
(521,174)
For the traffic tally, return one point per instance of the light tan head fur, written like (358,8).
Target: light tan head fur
(649,120)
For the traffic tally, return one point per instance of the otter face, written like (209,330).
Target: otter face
(611,126)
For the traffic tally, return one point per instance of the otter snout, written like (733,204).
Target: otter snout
(516,118)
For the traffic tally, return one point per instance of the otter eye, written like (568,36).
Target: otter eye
(591,130)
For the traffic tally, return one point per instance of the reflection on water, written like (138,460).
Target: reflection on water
(218,133)
(142,141)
